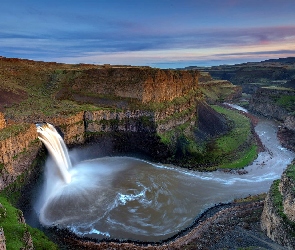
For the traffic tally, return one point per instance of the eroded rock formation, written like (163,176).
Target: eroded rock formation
(266,102)
(18,150)
(142,83)
(278,216)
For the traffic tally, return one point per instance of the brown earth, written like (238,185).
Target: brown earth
(8,98)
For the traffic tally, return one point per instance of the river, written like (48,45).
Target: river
(129,198)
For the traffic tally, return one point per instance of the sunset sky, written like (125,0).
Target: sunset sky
(157,33)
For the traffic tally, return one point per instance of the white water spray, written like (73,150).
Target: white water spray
(128,198)
(57,149)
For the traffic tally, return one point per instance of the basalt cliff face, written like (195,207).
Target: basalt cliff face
(18,150)
(34,92)
(142,83)
(278,217)
(137,107)
(269,102)
(279,104)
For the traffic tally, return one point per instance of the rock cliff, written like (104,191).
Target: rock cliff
(134,107)
(219,91)
(2,121)
(289,122)
(275,103)
(278,216)
(142,83)
(19,147)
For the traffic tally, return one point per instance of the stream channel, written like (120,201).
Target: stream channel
(130,198)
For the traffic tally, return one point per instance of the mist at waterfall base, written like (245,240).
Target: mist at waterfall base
(130,198)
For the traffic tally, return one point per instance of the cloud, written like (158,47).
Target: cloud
(99,38)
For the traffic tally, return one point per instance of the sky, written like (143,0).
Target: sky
(156,33)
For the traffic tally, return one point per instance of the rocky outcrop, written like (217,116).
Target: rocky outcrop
(112,120)
(278,216)
(207,115)
(27,238)
(219,90)
(2,121)
(142,83)
(286,188)
(251,88)
(14,216)
(148,124)
(72,127)
(274,226)
(18,150)
(2,238)
(289,122)
(265,102)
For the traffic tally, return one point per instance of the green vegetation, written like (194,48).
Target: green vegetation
(287,102)
(245,159)
(251,198)
(278,88)
(290,171)
(9,215)
(41,87)
(46,106)
(238,135)
(178,101)
(183,134)
(277,199)
(1,167)
(178,115)
(233,150)
(13,191)
(14,230)
(13,130)
(218,91)
(236,148)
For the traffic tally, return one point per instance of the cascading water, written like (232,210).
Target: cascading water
(128,198)
(57,149)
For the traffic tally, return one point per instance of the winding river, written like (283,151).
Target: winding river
(129,198)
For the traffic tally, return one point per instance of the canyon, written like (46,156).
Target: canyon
(158,113)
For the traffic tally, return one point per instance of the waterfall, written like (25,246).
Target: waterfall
(57,149)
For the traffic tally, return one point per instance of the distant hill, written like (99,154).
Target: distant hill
(273,72)
(287,60)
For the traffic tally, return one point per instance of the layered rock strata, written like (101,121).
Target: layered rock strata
(142,83)
(18,150)
(265,102)
(278,216)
